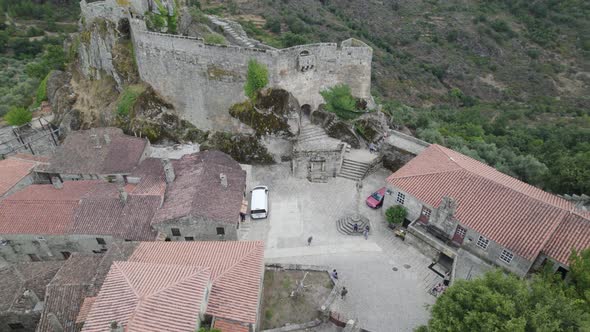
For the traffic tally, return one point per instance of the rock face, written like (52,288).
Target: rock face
(394,158)
(243,148)
(372,126)
(105,48)
(336,128)
(276,112)
(62,97)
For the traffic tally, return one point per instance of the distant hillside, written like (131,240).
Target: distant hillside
(505,81)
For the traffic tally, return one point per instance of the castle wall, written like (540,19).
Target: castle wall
(203,81)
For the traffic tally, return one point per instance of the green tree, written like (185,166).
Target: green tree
(580,272)
(504,302)
(290,39)
(273,24)
(340,101)
(256,79)
(18,116)
(54,58)
(396,214)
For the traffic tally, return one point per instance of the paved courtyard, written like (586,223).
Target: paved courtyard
(387,279)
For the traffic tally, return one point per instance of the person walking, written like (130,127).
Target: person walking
(309,240)
(335,274)
(366,234)
(355,227)
(343,293)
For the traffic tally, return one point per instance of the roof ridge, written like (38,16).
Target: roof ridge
(255,247)
(116,264)
(503,174)
(431,173)
(200,269)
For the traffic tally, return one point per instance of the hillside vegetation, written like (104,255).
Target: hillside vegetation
(504,81)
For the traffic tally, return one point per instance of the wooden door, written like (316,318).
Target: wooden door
(425,215)
(459,235)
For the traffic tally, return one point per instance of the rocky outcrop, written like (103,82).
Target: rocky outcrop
(372,126)
(336,128)
(276,112)
(105,48)
(394,158)
(62,97)
(243,148)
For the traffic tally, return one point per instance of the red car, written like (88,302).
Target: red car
(375,201)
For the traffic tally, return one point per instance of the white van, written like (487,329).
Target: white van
(259,203)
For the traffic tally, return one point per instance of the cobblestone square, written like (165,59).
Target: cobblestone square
(387,279)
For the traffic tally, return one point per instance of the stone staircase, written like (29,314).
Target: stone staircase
(346,225)
(235,32)
(353,170)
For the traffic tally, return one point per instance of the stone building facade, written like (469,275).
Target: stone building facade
(202,81)
(456,203)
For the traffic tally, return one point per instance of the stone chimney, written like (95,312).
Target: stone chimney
(107,139)
(29,294)
(54,323)
(445,215)
(122,195)
(115,327)
(168,170)
(223,179)
(56,181)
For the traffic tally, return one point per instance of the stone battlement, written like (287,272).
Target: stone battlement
(203,80)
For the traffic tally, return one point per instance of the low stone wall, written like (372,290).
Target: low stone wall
(406,142)
(296,327)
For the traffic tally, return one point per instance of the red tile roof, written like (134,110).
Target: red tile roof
(228,326)
(12,171)
(197,189)
(80,207)
(89,152)
(236,272)
(510,212)
(85,309)
(572,233)
(145,297)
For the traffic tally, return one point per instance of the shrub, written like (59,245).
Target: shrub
(128,98)
(256,79)
(396,214)
(292,39)
(215,38)
(18,116)
(340,101)
(273,24)
(41,91)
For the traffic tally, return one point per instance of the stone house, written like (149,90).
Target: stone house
(218,283)
(459,205)
(22,292)
(50,222)
(203,198)
(16,172)
(97,153)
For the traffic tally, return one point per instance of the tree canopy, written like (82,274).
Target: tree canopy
(339,100)
(18,116)
(504,302)
(256,79)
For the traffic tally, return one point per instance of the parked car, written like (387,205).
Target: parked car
(259,203)
(375,201)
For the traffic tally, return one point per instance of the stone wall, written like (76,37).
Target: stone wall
(48,247)
(27,319)
(203,81)
(302,162)
(199,229)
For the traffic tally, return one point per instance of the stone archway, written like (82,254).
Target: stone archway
(306,110)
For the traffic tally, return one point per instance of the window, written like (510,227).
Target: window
(482,242)
(34,258)
(101,241)
(16,326)
(220,231)
(461,231)
(401,198)
(66,254)
(506,256)
(175,231)
(189,238)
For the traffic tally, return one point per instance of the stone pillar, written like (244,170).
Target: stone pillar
(168,170)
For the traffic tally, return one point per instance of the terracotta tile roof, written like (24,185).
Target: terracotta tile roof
(16,278)
(197,189)
(153,181)
(510,212)
(85,309)
(67,291)
(89,152)
(229,326)
(30,157)
(149,297)
(12,171)
(236,272)
(80,207)
(572,233)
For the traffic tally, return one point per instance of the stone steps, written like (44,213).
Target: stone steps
(346,225)
(353,170)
